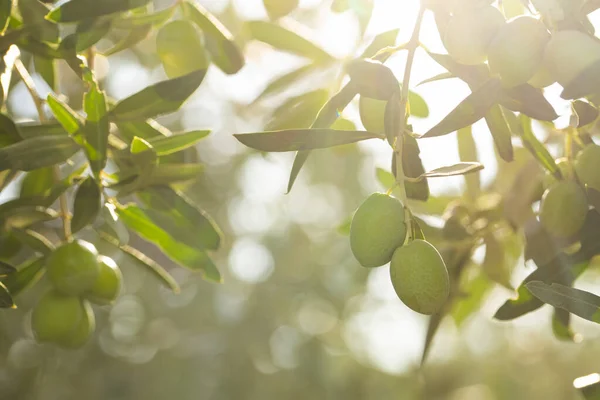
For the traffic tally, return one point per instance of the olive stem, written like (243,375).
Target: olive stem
(39,105)
(411,46)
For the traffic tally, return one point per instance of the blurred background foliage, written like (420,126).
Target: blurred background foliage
(296,316)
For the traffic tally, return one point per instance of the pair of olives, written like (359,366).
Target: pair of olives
(78,275)
(521,50)
(564,204)
(418,272)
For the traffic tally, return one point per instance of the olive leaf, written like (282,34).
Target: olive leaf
(86,205)
(579,302)
(302,139)
(37,152)
(537,149)
(451,170)
(500,131)
(78,10)
(27,275)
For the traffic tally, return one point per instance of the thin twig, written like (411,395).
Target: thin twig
(411,46)
(39,105)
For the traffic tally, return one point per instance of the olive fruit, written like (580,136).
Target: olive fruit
(180,48)
(569,53)
(279,8)
(56,316)
(73,267)
(107,286)
(377,229)
(517,51)
(83,330)
(469,33)
(564,208)
(565,169)
(587,166)
(420,277)
(372,111)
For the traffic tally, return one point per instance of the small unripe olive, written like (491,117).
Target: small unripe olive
(73,267)
(107,286)
(564,208)
(377,229)
(82,332)
(56,316)
(569,53)
(587,166)
(420,277)
(517,51)
(565,169)
(469,33)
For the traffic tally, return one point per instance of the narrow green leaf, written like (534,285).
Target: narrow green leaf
(302,139)
(501,132)
(46,69)
(373,79)
(37,182)
(418,106)
(470,110)
(28,131)
(467,151)
(381,41)
(529,101)
(9,133)
(473,75)
(6,269)
(34,240)
(158,271)
(536,148)
(326,117)
(439,77)
(585,112)
(133,37)
(561,325)
(70,120)
(148,129)
(452,170)
(26,216)
(28,274)
(178,142)
(586,83)
(39,152)
(186,214)
(224,52)
(78,10)
(5,9)
(161,98)
(86,205)
(33,13)
(6,300)
(286,40)
(96,125)
(162,174)
(413,168)
(154,19)
(298,112)
(391,118)
(581,303)
(138,221)
(286,80)
(91,31)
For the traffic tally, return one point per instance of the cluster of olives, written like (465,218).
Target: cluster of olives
(564,205)
(418,272)
(520,50)
(78,275)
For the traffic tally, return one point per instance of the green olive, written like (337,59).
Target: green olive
(517,51)
(569,53)
(565,168)
(377,229)
(564,208)
(587,166)
(420,277)
(108,284)
(469,33)
(73,267)
(82,332)
(56,316)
